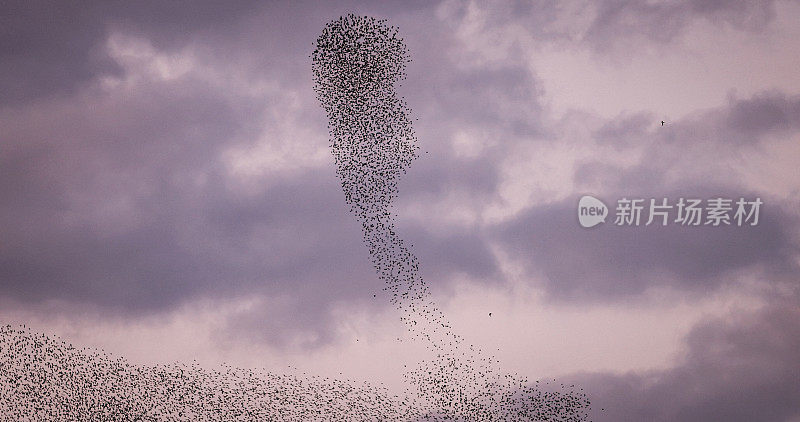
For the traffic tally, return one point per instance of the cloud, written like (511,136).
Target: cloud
(621,22)
(604,27)
(624,132)
(125,196)
(50,49)
(741,368)
(610,262)
(122,199)
(768,113)
(694,157)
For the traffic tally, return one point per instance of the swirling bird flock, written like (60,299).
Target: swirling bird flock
(45,379)
(357,65)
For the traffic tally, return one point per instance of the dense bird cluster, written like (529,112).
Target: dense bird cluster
(45,379)
(357,63)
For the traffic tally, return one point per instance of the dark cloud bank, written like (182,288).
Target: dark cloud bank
(740,369)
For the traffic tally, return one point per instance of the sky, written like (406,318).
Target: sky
(168,193)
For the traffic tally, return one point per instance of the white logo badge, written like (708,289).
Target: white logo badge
(591,211)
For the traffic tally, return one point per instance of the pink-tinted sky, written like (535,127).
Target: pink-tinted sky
(167,192)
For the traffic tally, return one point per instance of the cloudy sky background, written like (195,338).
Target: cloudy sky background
(168,193)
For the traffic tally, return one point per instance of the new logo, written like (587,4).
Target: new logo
(591,211)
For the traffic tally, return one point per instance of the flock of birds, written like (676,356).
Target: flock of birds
(45,379)
(356,65)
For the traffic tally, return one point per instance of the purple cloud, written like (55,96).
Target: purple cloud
(740,369)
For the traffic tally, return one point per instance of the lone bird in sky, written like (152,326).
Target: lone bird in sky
(662,123)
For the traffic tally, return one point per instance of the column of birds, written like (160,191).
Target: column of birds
(357,64)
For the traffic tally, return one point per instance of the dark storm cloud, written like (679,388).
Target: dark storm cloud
(769,113)
(608,262)
(46,49)
(180,230)
(744,368)
(49,48)
(122,204)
